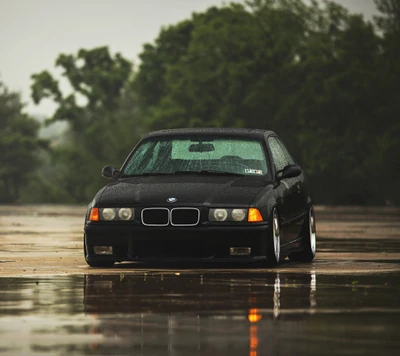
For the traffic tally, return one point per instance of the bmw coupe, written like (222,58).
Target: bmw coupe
(202,195)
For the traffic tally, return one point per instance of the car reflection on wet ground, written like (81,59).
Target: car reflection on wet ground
(347,302)
(186,313)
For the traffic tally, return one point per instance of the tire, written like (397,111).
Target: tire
(309,240)
(95,263)
(274,240)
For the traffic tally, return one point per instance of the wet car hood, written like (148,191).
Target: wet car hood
(188,190)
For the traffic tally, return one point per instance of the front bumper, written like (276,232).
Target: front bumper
(199,243)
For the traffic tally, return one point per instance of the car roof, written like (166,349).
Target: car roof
(253,133)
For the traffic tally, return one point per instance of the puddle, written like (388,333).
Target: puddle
(368,246)
(346,302)
(210,312)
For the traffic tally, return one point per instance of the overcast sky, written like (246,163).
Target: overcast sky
(34,32)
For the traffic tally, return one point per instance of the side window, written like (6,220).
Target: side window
(280,155)
(289,158)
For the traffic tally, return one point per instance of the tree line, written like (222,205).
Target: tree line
(324,79)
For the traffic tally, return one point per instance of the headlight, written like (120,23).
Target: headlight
(112,214)
(108,214)
(125,213)
(220,214)
(239,214)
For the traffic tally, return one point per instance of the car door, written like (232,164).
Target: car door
(300,199)
(287,192)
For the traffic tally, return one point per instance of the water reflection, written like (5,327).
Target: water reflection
(195,313)
(255,315)
(202,312)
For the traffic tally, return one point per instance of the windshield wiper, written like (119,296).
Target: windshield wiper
(211,172)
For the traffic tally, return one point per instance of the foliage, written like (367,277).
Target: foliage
(311,73)
(386,156)
(102,120)
(324,79)
(19,146)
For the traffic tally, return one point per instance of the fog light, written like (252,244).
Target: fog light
(240,251)
(103,250)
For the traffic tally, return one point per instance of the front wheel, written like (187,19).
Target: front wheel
(274,240)
(309,240)
(95,263)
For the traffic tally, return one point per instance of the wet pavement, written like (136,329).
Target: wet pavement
(347,302)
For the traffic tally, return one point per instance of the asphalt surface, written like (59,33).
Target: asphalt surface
(346,302)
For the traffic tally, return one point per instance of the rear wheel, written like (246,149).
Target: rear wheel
(309,240)
(95,263)
(274,240)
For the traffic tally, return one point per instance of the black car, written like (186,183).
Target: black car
(202,195)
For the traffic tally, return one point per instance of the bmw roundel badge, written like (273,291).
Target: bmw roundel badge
(171,200)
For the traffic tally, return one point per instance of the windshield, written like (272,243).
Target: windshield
(173,155)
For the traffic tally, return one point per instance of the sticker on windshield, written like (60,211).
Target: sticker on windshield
(253,171)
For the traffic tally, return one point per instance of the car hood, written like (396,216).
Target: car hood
(188,190)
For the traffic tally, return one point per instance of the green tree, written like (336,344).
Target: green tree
(19,146)
(336,107)
(389,20)
(325,79)
(100,112)
(307,71)
(386,156)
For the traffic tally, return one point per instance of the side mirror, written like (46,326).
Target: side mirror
(290,171)
(110,172)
